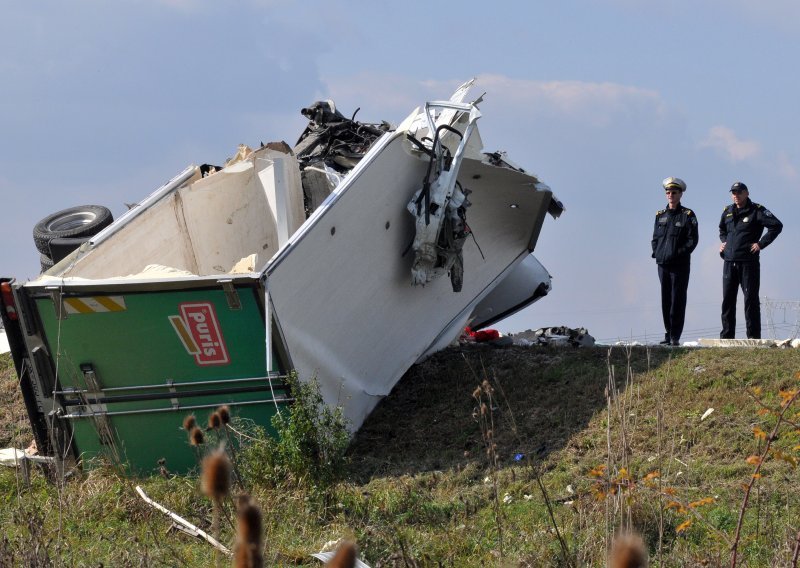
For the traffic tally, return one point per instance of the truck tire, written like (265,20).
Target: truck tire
(45,262)
(81,221)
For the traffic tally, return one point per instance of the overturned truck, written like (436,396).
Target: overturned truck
(348,258)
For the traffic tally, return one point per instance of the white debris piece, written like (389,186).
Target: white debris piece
(10,457)
(328,556)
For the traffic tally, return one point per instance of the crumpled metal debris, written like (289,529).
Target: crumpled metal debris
(441,202)
(329,147)
(557,335)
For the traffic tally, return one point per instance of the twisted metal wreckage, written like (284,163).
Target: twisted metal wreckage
(326,259)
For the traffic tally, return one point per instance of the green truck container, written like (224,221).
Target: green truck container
(113,371)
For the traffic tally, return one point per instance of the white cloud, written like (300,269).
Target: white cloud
(570,96)
(786,167)
(725,142)
(595,104)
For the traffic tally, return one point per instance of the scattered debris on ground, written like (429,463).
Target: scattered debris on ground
(557,335)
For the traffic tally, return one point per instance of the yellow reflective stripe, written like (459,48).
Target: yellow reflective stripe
(110,303)
(95,304)
(77,305)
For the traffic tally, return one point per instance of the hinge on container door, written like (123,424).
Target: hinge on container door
(94,391)
(58,302)
(231,295)
(174,401)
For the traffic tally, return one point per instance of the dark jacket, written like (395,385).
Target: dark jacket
(740,228)
(675,236)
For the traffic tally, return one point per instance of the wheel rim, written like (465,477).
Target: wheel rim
(71,221)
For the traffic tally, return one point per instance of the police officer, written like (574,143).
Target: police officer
(741,231)
(674,238)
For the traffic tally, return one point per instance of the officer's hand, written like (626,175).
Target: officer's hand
(755,248)
(722,247)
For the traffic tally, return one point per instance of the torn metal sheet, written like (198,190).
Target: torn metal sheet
(362,254)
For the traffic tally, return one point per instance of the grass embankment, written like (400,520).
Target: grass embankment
(428,485)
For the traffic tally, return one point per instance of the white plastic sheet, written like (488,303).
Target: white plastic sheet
(3,342)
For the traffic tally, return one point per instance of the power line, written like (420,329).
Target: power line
(770,305)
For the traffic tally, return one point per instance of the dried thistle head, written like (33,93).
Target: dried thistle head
(487,387)
(214,421)
(247,556)
(628,551)
(196,436)
(216,476)
(484,409)
(345,556)
(189,422)
(224,413)
(476,394)
(249,528)
(249,521)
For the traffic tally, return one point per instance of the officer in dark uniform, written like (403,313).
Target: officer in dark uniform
(675,236)
(740,230)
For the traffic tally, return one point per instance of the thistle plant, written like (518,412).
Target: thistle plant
(215,483)
(249,551)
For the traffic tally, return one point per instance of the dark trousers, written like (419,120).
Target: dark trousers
(674,283)
(748,276)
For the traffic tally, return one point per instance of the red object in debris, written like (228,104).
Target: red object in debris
(481,335)
(486,335)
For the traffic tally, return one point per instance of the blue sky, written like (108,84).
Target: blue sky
(103,101)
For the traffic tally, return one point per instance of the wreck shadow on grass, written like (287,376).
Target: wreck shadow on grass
(427,422)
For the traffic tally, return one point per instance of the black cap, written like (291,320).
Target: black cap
(738,186)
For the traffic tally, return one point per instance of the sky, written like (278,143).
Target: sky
(101,102)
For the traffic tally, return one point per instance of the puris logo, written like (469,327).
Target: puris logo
(199,331)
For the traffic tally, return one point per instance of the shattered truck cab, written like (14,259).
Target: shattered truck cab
(360,252)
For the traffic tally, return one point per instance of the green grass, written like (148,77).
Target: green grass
(418,488)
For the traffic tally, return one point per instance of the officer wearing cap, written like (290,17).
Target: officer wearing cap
(741,230)
(675,236)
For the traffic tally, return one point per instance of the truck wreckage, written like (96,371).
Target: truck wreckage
(329,259)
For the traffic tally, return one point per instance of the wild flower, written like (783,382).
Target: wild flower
(196,437)
(224,413)
(249,530)
(214,421)
(215,482)
(345,556)
(628,551)
(216,476)
(189,422)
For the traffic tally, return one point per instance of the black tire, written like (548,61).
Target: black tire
(46,262)
(82,221)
